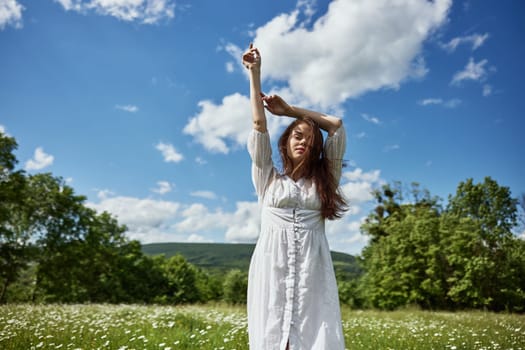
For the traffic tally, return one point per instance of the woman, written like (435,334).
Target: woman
(293,301)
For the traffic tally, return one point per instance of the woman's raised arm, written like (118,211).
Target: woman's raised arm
(251,59)
(276,105)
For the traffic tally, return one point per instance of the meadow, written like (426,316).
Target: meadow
(203,327)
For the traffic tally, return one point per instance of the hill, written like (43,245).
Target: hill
(220,257)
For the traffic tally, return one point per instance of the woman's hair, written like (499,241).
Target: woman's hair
(314,166)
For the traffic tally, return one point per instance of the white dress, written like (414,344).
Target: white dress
(292,290)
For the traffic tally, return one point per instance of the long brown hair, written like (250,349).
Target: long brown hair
(316,167)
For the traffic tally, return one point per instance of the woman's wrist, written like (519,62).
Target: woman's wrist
(295,113)
(254,70)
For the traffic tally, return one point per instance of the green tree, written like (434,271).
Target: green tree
(182,280)
(465,256)
(209,286)
(235,287)
(58,220)
(102,265)
(54,248)
(403,261)
(15,249)
(141,277)
(490,205)
(485,259)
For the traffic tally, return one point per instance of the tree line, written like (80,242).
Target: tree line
(53,248)
(462,256)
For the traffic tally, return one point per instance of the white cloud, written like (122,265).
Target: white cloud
(163,187)
(204,194)
(169,153)
(452,103)
(103,194)
(139,215)
(235,52)
(345,234)
(196,218)
(127,108)
(230,67)
(307,7)
(355,47)
(40,160)
(145,11)
(3,130)
(371,119)
(148,220)
(358,175)
(472,71)
(358,185)
(242,225)
(390,148)
(476,40)
(357,238)
(10,14)
(430,101)
(194,238)
(245,222)
(200,161)
(353,236)
(487,90)
(214,124)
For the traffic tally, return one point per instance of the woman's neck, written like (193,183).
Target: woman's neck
(296,174)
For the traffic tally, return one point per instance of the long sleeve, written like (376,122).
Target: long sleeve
(260,151)
(335,147)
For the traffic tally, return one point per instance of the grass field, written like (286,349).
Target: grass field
(223,327)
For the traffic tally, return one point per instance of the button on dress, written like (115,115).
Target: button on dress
(292,290)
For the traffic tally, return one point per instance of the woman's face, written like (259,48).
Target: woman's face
(298,143)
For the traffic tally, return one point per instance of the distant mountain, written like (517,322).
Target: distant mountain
(220,257)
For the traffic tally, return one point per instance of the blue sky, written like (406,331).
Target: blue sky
(143,106)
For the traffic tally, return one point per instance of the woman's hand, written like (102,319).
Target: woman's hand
(252,58)
(276,105)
